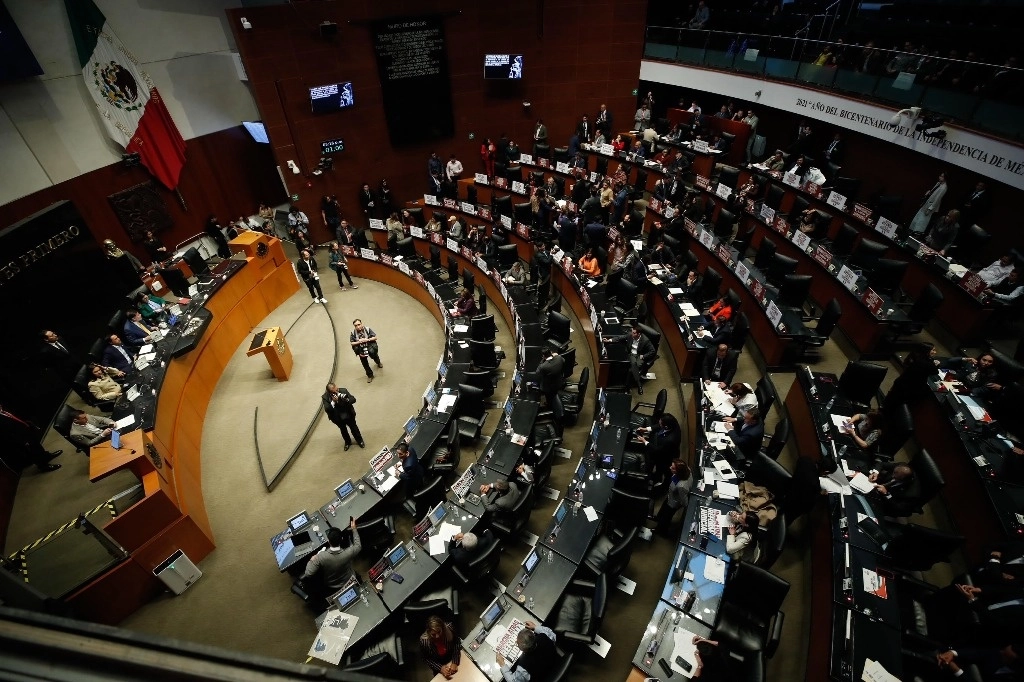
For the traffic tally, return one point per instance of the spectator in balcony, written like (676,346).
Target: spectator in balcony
(776,162)
(723,112)
(943,234)
(966,74)
(870,61)
(739,115)
(840,58)
(825,58)
(932,201)
(902,61)
(942,73)
(1006,81)
(701,16)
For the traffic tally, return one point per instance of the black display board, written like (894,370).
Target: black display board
(53,275)
(412,61)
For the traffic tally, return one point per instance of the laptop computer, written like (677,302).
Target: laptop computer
(438,513)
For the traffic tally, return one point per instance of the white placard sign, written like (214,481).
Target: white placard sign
(526,158)
(416,231)
(791,179)
(723,190)
(468,208)
(848,278)
(562,167)
(707,239)
(767,214)
(886,227)
(430,200)
(376,224)
(668,211)
(480,178)
(593,176)
(801,239)
(482,264)
(518,187)
(607,149)
(452,245)
(837,200)
(403,266)
(368,254)
(700,146)
(742,271)
(774,314)
(506,221)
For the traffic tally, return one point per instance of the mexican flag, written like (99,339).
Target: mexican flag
(128,103)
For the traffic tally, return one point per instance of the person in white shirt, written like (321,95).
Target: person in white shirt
(742,396)
(642,119)
(997,271)
(298,220)
(453,169)
(741,535)
(694,108)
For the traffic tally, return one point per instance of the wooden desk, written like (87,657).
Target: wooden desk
(738,152)
(105,460)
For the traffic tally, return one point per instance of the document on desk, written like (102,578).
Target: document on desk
(460,328)
(446,401)
(977,411)
(874,583)
(714,570)
(447,531)
(840,420)
(146,349)
(655,280)
(682,645)
(590,513)
(389,483)
(720,427)
(518,439)
(717,441)
(591,283)
(124,422)
(728,490)
(334,635)
(436,545)
(831,486)
(690,311)
(709,476)
(675,291)
(875,672)
(861,484)
(725,470)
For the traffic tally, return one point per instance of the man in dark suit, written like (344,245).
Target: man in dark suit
(59,357)
(747,432)
(975,205)
(412,471)
(540,135)
(21,437)
(641,354)
(339,405)
(551,380)
(603,121)
(465,546)
(894,482)
(721,332)
(307,269)
(136,332)
(835,150)
(368,200)
(720,366)
(117,355)
(585,130)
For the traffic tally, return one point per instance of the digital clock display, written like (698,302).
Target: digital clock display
(332,146)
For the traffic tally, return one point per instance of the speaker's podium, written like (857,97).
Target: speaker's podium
(271,343)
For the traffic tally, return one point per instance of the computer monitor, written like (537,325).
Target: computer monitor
(794,290)
(532,559)
(301,538)
(346,597)
(508,408)
(581,471)
(560,513)
(438,513)
(378,570)
(344,490)
(406,248)
(411,424)
(300,520)
(493,613)
(397,555)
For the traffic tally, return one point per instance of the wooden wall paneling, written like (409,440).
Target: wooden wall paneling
(255,308)
(149,516)
(279,286)
(183,534)
(114,595)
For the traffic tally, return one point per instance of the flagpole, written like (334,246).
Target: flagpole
(181,199)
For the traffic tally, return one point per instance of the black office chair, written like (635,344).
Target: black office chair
(765,254)
(116,324)
(508,524)
(569,356)
(447,455)
(435,257)
(749,619)
(764,471)
(742,241)
(62,425)
(581,611)
(543,152)
(380,666)
(502,204)
(888,206)
(925,616)
(740,330)
(859,382)
(625,303)
(627,510)
(558,332)
(610,555)
(453,268)
(899,427)
(472,413)
(970,241)
(920,313)
(800,204)
(416,613)
(468,280)
(867,254)
(484,380)
(538,177)
(482,355)
(774,196)
(729,176)
(573,397)
(766,395)
(926,484)
(377,534)
(514,172)
(687,261)
(640,418)
(430,494)
(480,567)
(560,154)
(772,542)
(919,548)
(725,223)
(80,385)
(780,266)
(821,332)
(542,467)
(842,244)
(560,671)
(522,213)
(482,328)
(777,440)
(710,286)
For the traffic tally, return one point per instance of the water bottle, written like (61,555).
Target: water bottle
(530,603)
(412,552)
(575,509)
(362,596)
(831,402)
(618,434)
(551,556)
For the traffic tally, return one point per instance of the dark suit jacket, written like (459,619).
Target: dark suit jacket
(747,438)
(112,358)
(607,124)
(412,472)
(61,361)
(728,370)
(585,131)
(305,269)
(549,374)
(721,335)
(462,556)
(343,409)
(645,350)
(133,336)
(365,197)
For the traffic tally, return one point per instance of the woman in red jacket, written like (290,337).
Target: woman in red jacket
(487,152)
(722,308)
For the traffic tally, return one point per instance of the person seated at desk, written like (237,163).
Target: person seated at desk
(943,232)
(589,264)
(691,285)
(998,270)
(638,150)
(892,480)
(998,663)
(523,474)
(599,138)
(865,429)
(748,434)
(720,366)
(516,274)
(799,168)
(679,484)
(721,331)
(412,470)
(662,255)
(642,354)
(395,228)
(808,220)
(455,228)
(333,563)
(720,307)
(977,374)
(151,307)
(662,443)
(739,543)
(742,396)
(465,546)
(537,644)
(116,355)
(499,496)
(440,647)
(432,225)
(775,162)
(90,429)
(136,332)
(465,306)
(102,384)
(1007,291)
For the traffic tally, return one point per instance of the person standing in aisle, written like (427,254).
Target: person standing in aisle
(339,406)
(364,345)
(306,267)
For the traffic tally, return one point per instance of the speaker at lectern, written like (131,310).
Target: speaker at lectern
(271,343)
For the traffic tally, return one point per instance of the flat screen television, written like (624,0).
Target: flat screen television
(503,66)
(327,98)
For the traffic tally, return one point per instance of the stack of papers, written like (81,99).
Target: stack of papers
(874,672)
(334,635)
(728,490)
(689,310)
(675,291)
(389,483)
(861,484)
(436,545)
(446,401)
(460,328)
(714,570)
(124,422)
(831,486)
(683,647)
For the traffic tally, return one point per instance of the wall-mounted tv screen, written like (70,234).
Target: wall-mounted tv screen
(327,98)
(503,66)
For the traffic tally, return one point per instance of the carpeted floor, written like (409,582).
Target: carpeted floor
(243,603)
